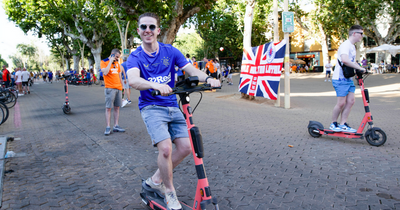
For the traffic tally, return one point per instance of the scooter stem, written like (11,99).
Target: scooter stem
(203,191)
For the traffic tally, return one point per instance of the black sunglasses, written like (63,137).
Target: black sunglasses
(144,27)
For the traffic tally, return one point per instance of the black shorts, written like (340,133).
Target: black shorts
(24,84)
(101,78)
(214,75)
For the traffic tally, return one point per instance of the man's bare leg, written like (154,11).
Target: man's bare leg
(168,160)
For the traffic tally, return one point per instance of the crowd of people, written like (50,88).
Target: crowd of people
(380,68)
(19,78)
(212,68)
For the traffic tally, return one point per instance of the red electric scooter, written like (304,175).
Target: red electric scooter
(203,196)
(374,135)
(66,108)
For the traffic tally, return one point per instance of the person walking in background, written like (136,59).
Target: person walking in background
(217,69)
(125,84)
(344,87)
(328,68)
(88,77)
(230,72)
(294,68)
(13,78)
(101,79)
(209,66)
(44,75)
(50,75)
(113,89)
(195,63)
(6,77)
(18,80)
(25,80)
(364,63)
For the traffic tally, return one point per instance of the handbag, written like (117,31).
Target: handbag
(347,71)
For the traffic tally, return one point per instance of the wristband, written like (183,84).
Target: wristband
(207,78)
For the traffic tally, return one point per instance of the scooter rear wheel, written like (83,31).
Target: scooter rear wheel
(311,130)
(375,137)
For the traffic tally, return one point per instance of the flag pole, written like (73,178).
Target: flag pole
(287,71)
(276,40)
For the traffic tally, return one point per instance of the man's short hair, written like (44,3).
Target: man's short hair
(355,28)
(187,56)
(150,14)
(116,50)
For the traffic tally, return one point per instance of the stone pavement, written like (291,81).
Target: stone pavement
(70,164)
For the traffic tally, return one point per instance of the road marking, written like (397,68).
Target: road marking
(17,116)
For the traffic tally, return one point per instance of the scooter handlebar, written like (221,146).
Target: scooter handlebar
(178,90)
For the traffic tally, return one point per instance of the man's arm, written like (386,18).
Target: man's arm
(107,68)
(139,83)
(192,71)
(346,61)
(123,72)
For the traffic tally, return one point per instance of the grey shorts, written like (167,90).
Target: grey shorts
(113,97)
(164,123)
(126,85)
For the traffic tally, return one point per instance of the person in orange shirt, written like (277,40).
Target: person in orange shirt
(210,69)
(111,70)
(194,62)
(294,68)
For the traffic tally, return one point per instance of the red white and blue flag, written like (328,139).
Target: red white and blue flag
(261,70)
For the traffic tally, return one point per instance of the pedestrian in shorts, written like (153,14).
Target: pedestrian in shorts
(113,89)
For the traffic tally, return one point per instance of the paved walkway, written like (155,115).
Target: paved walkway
(70,164)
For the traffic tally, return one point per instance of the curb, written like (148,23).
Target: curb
(3,148)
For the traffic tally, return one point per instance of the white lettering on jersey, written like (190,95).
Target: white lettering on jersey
(161,79)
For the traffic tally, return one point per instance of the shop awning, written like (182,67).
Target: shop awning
(306,56)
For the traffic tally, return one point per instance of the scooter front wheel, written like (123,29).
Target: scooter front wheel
(66,109)
(375,137)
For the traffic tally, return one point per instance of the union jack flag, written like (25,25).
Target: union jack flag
(261,70)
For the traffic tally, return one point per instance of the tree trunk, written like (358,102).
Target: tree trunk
(96,51)
(324,45)
(248,22)
(76,59)
(67,64)
(90,61)
(168,35)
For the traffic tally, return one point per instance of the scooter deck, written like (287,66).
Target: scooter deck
(342,134)
(154,201)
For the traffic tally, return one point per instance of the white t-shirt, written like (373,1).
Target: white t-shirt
(346,48)
(18,76)
(25,76)
(217,67)
(328,67)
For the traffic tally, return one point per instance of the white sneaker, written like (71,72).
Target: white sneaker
(172,201)
(347,128)
(124,103)
(329,80)
(159,189)
(325,81)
